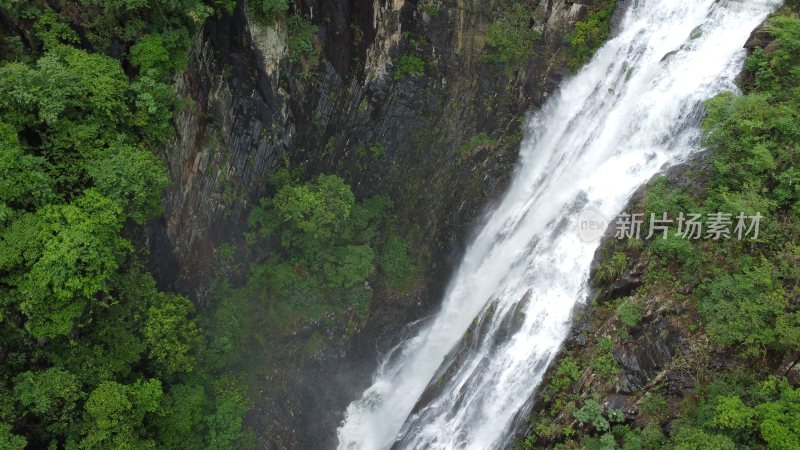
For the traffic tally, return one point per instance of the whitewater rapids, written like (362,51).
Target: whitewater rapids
(462,379)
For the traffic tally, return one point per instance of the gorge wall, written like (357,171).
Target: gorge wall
(441,144)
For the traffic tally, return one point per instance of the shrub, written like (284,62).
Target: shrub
(742,309)
(475,142)
(603,363)
(408,65)
(590,34)
(300,39)
(629,312)
(649,437)
(395,261)
(568,372)
(511,35)
(431,9)
(654,408)
(690,438)
(268,11)
(611,268)
(592,413)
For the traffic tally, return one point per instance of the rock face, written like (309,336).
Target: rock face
(251,109)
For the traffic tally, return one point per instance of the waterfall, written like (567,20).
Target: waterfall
(462,379)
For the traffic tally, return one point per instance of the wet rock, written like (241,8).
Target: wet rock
(790,368)
(644,357)
(759,38)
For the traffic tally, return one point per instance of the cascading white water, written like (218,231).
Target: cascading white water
(629,112)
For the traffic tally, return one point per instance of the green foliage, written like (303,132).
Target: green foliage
(300,40)
(315,211)
(170,334)
(181,418)
(77,250)
(325,237)
(511,35)
(779,419)
(742,309)
(226,422)
(52,394)
(475,142)
(395,261)
(431,8)
(10,441)
(611,268)
(689,438)
(115,412)
(133,177)
(53,29)
(567,373)
(268,11)
(591,33)
(25,183)
(654,408)
(161,55)
(93,355)
(348,266)
(675,249)
(629,312)
(322,246)
(592,413)
(733,414)
(408,65)
(649,437)
(603,363)
(776,70)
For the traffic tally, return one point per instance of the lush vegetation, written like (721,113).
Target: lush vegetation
(739,297)
(591,33)
(511,35)
(323,250)
(93,356)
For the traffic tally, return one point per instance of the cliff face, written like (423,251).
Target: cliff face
(251,110)
(441,144)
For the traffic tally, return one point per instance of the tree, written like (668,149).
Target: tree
(316,211)
(181,418)
(780,419)
(689,438)
(10,441)
(115,413)
(131,176)
(170,335)
(52,395)
(80,250)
